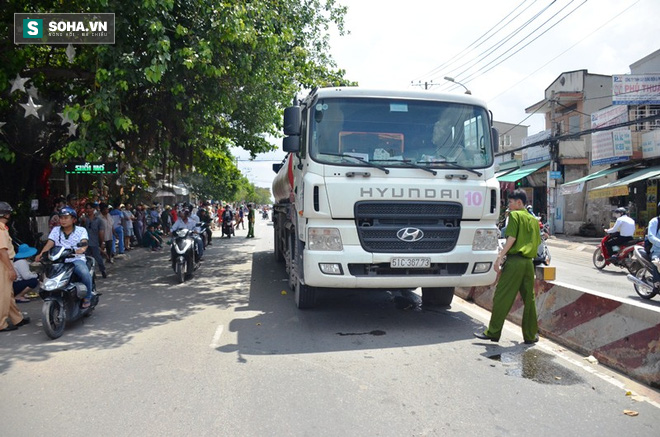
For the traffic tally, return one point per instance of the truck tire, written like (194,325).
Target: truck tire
(305,296)
(437,296)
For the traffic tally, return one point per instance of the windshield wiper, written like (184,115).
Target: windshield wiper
(452,164)
(370,164)
(409,164)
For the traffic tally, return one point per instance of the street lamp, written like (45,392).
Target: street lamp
(451,79)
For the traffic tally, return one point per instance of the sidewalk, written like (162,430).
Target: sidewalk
(574,242)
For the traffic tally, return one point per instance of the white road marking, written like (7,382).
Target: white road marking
(215,342)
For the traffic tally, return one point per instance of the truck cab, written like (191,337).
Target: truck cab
(387,190)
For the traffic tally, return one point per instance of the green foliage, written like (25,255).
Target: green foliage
(185,80)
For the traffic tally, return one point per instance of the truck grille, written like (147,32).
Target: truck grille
(379,222)
(382,269)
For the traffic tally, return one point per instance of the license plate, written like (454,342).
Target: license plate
(410,263)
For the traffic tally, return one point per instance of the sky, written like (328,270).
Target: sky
(396,44)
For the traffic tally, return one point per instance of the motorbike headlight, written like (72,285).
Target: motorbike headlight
(181,233)
(55,282)
(485,239)
(324,239)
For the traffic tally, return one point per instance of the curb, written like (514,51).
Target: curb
(621,335)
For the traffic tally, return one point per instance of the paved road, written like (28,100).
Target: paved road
(228,354)
(574,265)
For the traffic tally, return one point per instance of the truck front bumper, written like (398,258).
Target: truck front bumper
(355,268)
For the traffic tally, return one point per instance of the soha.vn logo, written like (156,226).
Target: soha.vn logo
(33,28)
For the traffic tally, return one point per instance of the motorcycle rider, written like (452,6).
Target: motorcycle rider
(68,235)
(227,216)
(205,217)
(654,238)
(623,230)
(185,222)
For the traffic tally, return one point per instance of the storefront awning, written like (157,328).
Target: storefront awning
(522,172)
(620,187)
(503,172)
(577,185)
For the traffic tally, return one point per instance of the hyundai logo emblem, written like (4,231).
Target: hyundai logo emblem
(410,235)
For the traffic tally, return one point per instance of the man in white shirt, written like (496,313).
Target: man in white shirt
(623,230)
(186,222)
(68,235)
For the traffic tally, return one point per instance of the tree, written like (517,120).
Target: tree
(185,80)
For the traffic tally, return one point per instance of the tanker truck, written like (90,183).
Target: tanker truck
(386,190)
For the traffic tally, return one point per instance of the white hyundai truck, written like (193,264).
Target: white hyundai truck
(386,190)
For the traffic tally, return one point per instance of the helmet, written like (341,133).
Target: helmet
(5,208)
(67,210)
(621,210)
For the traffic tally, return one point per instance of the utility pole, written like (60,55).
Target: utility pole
(426,85)
(551,190)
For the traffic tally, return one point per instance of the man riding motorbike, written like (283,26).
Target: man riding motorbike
(184,221)
(68,235)
(623,230)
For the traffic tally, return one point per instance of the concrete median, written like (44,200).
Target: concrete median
(622,335)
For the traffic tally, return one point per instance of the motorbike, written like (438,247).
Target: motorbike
(542,252)
(203,230)
(264,214)
(228,228)
(642,279)
(623,258)
(62,296)
(185,258)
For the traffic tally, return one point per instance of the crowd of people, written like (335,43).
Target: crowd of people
(109,232)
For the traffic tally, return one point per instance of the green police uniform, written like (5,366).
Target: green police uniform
(517,276)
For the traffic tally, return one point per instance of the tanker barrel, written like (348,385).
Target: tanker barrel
(283,182)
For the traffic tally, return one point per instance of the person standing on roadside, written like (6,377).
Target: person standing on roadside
(96,233)
(107,231)
(10,317)
(522,241)
(250,217)
(118,229)
(54,219)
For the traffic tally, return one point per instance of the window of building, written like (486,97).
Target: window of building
(574,124)
(643,111)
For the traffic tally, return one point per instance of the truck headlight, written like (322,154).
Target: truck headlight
(324,239)
(485,239)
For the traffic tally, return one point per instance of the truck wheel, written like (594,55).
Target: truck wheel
(305,296)
(437,296)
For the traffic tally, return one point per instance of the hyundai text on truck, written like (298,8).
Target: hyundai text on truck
(386,190)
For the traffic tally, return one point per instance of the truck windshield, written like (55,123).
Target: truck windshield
(400,132)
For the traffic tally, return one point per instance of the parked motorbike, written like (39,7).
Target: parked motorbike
(185,257)
(542,252)
(642,279)
(623,258)
(62,296)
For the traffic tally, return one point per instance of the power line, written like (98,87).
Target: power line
(472,76)
(466,50)
(493,48)
(617,15)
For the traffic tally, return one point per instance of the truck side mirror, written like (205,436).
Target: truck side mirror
(291,144)
(292,120)
(496,139)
